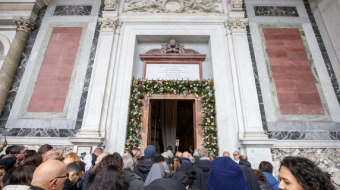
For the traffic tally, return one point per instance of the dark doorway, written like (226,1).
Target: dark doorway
(184,124)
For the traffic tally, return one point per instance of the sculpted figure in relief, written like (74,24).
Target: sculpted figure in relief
(173,6)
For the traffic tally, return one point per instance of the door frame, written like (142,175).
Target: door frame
(198,131)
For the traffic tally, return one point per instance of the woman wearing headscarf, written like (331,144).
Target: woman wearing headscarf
(156,172)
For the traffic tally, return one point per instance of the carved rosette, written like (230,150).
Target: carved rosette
(108,24)
(23,24)
(236,5)
(237,24)
(110,5)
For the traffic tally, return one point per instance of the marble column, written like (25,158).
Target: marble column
(95,100)
(12,61)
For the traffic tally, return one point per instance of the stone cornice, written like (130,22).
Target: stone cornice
(24,24)
(106,24)
(237,24)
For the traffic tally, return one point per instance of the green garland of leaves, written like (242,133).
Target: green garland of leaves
(204,89)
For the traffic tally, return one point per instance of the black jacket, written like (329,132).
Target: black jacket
(86,180)
(249,175)
(69,186)
(199,182)
(142,169)
(165,184)
(131,181)
(36,188)
(265,186)
(204,165)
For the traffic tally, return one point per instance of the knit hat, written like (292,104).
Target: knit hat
(149,151)
(226,174)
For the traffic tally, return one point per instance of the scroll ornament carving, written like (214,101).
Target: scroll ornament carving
(173,6)
(237,24)
(236,5)
(25,25)
(110,5)
(108,24)
(172,48)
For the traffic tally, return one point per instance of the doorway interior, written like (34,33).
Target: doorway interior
(170,120)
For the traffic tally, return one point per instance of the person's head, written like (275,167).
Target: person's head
(260,176)
(101,156)
(192,159)
(224,172)
(236,156)
(149,151)
(8,149)
(243,157)
(29,152)
(75,171)
(128,162)
(97,151)
(111,159)
(110,176)
(177,163)
(19,152)
(61,152)
(44,148)
(179,154)
(22,175)
(226,154)
(134,151)
(2,172)
(169,148)
(33,159)
(50,175)
(158,158)
(50,155)
(202,152)
(297,173)
(266,167)
(186,155)
(71,157)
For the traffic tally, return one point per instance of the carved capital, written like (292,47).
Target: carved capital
(236,5)
(24,24)
(237,24)
(110,5)
(108,24)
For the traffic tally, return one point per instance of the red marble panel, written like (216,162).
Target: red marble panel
(54,77)
(293,78)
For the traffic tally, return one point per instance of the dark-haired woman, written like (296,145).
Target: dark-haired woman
(21,178)
(108,178)
(33,159)
(264,185)
(267,169)
(297,173)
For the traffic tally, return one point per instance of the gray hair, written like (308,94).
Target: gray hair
(128,162)
(203,153)
(99,150)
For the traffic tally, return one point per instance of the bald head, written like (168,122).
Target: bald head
(186,155)
(226,154)
(49,175)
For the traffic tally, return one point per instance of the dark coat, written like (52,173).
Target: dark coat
(131,181)
(204,165)
(199,182)
(36,188)
(265,186)
(86,180)
(250,176)
(142,169)
(69,186)
(165,184)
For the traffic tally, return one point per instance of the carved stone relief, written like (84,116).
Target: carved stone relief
(108,24)
(173,6)
(110,5)
(236,5)
(171,48)
(237,24)
(25,25)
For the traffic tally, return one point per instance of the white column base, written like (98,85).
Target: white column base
(86,141)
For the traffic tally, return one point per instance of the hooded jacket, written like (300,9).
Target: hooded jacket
(204,165)
(250,176)
(131,181)
(143,168)
(227,175)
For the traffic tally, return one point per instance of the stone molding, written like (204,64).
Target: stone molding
(24,24)
(236,5)
(108,25)
(173,6)
(110,5)
(237,24)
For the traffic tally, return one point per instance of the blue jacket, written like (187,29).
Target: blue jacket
(272,180)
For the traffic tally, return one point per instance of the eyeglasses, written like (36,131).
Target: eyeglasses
(58,177)
(235,154)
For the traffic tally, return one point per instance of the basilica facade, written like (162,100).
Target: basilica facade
(256,76)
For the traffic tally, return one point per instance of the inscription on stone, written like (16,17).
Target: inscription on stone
(161,71)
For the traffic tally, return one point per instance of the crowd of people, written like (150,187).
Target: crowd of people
(50,169)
